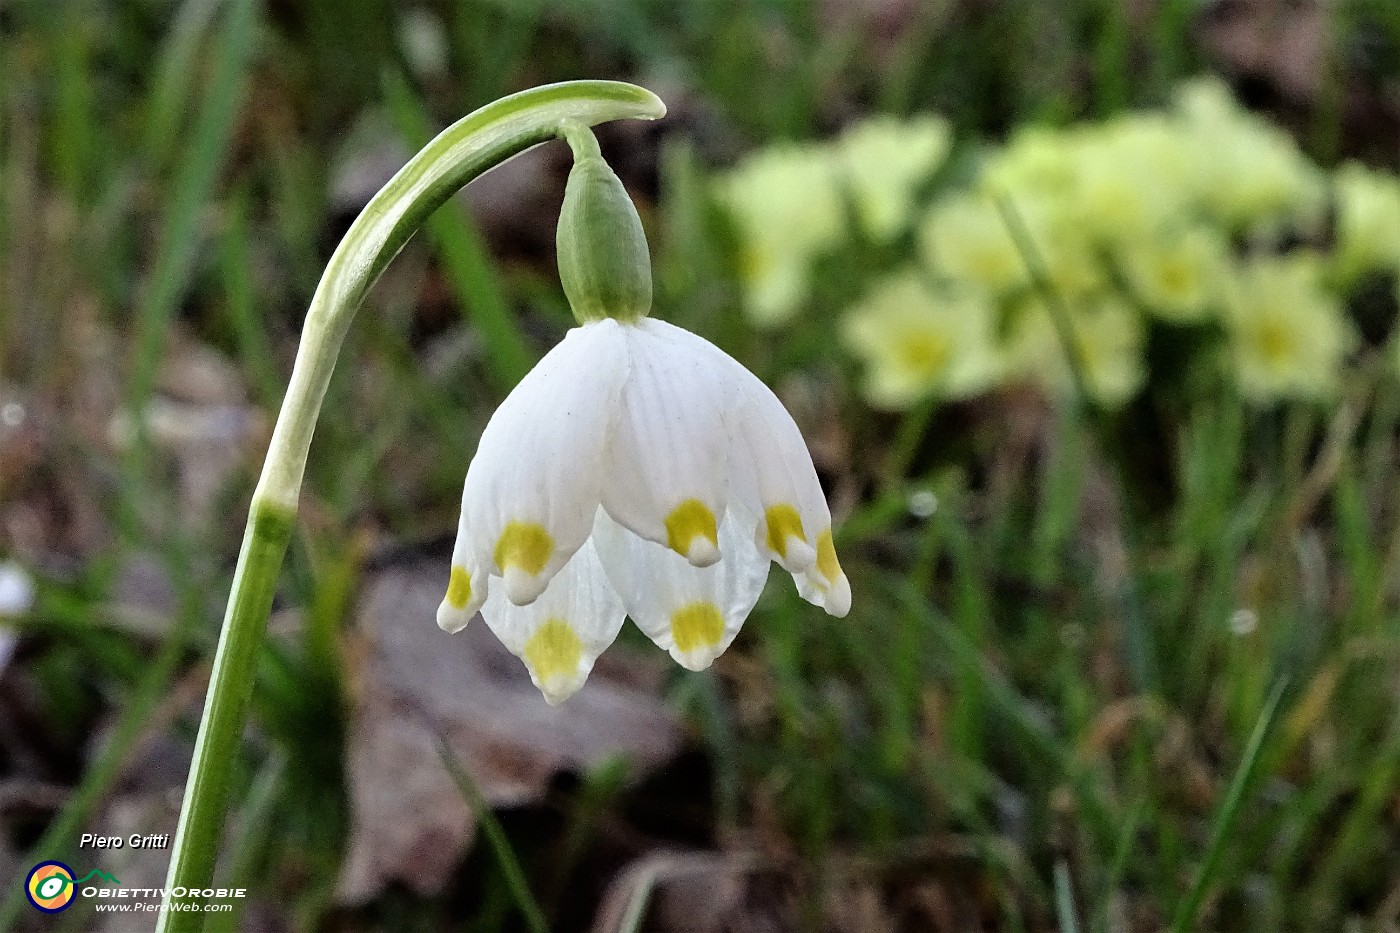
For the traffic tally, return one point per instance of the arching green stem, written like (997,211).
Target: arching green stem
(460,153)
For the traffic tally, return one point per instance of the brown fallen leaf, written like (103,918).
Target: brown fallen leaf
(409,822)
(695,892)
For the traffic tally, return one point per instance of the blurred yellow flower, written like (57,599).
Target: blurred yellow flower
(1179,274)
(916,342)
(787,208)
(1368,221)
(1108,337)
(1288,336)
(1037,160)
(1063,245)
(1250,174)
(965,239)
(885,159)
(1132,177)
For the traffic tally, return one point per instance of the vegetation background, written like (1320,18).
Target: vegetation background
(1104,673)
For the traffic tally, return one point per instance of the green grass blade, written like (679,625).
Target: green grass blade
(1190,906)
(1121,854)
(518,886)
(170,91)
(468,264)
(240,301)
(192,186)
(1064,899)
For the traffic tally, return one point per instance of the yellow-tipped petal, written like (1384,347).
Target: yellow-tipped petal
(827,564)
(691,531)
(691,612)
(525,545)
(459,588)
(553,654)
(697,626)
(464,597)
(825,584)
(522,552)
(784,536)
(559,635)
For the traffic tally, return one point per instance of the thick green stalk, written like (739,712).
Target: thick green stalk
(460,153)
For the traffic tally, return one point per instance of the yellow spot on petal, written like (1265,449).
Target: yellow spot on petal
(459,588)
(697,625)
(690,520)
(827,564)
(525,545)
(553,651)
(782,521)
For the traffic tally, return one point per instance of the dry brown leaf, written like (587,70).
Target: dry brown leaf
(409,822)
(685,892)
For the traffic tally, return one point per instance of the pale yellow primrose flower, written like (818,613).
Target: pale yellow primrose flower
(1131,176)
(1249,172)
(636,470)
(1368,221)
(917,343)
(1288,335)
(1065,247)
(1037,161)
(884,160)
(1109,337)
(1179,274)
(965,239)
(786,203)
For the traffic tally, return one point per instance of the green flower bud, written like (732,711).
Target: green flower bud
(603,258)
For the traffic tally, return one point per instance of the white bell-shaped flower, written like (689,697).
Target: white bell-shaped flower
(637,470)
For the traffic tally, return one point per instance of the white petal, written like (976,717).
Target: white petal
(466,587)
(771,475)
(666,478)
(770,469)
(534,485)
(561,633)
(825,584)
(691,612)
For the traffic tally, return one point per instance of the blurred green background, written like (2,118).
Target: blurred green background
(1124,648)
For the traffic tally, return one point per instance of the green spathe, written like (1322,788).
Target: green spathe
(604,262)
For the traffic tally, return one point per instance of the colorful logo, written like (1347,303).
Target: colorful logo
(50,886)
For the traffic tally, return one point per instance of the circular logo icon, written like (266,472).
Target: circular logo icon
(49,886)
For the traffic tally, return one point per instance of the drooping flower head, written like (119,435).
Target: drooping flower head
(637,471)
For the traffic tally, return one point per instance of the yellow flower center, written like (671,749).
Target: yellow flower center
(1276,342)
(754,263)
(923,353)
(1176,276)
